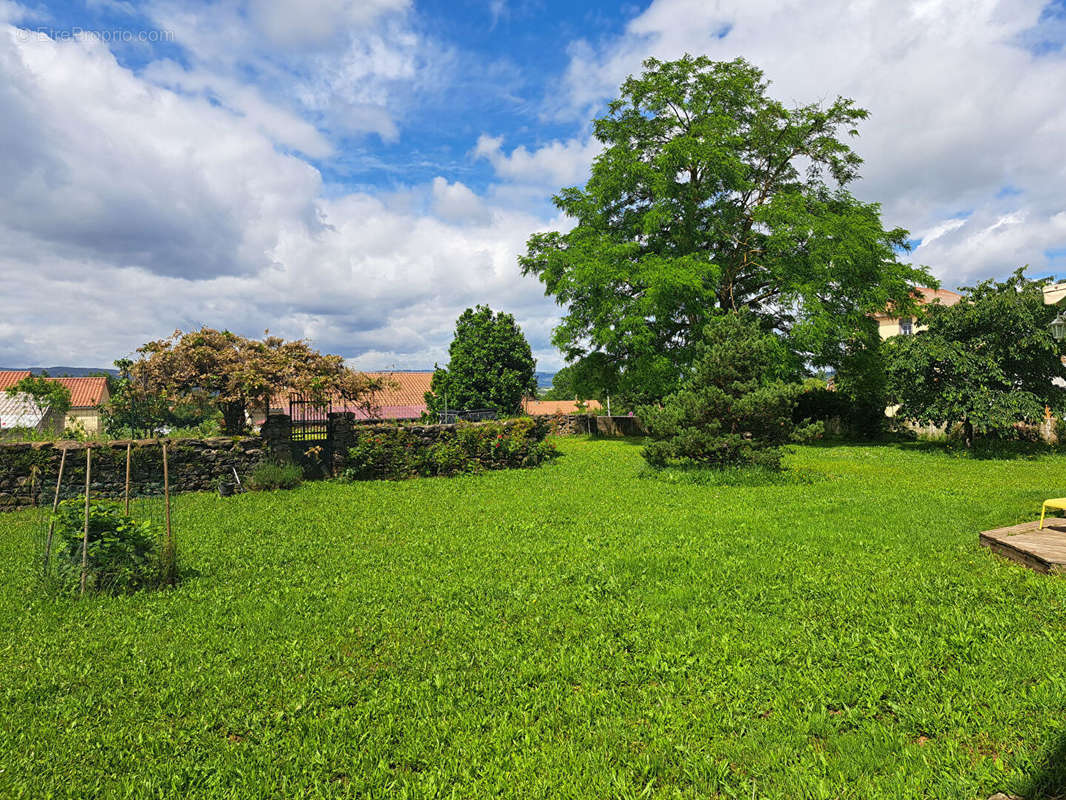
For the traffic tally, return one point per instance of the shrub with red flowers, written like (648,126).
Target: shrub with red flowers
(407,452)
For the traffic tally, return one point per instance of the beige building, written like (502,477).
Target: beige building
(1054,292)
(889,325)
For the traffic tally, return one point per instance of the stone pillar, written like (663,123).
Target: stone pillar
(275,433)
(342,437)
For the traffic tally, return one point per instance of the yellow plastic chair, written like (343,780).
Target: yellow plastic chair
(1058,502)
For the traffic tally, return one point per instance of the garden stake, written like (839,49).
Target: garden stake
(169,547)
(129,447)
(55,505)
(85,533)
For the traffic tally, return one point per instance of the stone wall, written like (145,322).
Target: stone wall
(592,425)
(28,470)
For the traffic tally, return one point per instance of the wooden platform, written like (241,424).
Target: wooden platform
(1042,550)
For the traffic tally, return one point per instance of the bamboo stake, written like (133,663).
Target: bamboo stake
(169,546)
(129,450)
(55,505)
(85,533)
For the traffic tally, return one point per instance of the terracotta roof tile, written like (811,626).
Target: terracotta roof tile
(9,377)
(85,392)
(402,388)
(537,407)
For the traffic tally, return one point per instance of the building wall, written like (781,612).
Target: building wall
(88,418)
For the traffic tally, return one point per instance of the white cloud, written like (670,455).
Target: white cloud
(355,66)
(455,202)
(131,210)
(553,165)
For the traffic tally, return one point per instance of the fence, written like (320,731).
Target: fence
(90,539)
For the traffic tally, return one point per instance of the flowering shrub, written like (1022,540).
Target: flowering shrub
(400,452)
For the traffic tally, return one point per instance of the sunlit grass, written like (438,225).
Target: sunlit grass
(584,629)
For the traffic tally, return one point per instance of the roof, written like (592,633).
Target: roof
(401,388)
(538,407)
(386,412)
(85,392)
(403,397)
(19,411)
(9,377)
(924,295)
(945,296)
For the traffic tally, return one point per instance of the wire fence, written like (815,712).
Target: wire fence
(91,537)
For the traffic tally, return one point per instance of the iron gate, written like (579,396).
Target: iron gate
(309,418)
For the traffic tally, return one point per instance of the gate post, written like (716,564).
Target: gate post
(341,425)
(275,433)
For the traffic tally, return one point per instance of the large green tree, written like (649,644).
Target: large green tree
(490,365)
(710,196)
(986,363)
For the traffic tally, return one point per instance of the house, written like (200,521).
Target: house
(86,397)
(21,412)
(889,325)
(1054,293)
(402,397)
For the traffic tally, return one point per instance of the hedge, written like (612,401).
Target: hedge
(401,452)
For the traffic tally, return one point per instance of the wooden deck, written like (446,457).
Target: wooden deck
(1042,550)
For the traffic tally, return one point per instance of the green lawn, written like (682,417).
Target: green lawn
(572,631)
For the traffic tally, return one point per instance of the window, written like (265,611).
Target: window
(906,327)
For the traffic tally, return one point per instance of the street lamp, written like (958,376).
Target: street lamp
(1058,328)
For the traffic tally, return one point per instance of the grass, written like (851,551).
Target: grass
(579,630)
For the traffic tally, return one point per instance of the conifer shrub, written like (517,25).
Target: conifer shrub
(734,408)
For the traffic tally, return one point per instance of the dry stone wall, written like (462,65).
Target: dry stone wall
(28,470)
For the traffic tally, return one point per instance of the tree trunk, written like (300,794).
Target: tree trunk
(967,432)
(233,418)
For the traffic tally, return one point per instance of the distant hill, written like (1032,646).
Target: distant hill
(544,379)
(66,372)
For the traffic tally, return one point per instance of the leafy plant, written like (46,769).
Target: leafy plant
(711,196)
(987,363)
(490,365)
(234,374)
(397,453)
(123,554)
(268,475)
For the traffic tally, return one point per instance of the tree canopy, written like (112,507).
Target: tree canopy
(236,374)
(986,363)
(710,197)
(490,365)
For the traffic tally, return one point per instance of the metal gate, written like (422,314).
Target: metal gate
(309,418)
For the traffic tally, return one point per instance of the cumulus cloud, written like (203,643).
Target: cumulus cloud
(962,104)
(552,165)
(354,66)
(99,163)
(182,193)
(133,209)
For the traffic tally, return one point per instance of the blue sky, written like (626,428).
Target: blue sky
(360,171)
